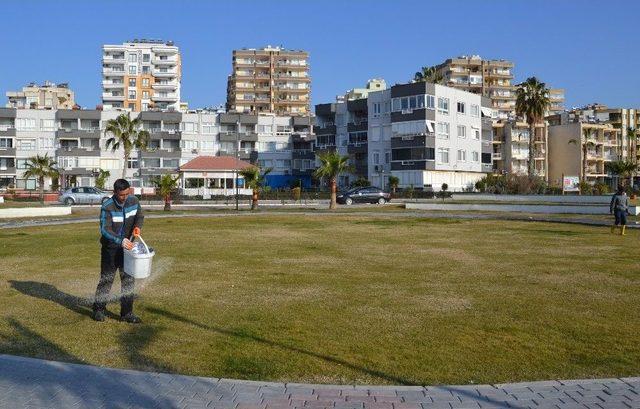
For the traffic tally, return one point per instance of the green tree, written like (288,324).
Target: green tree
(101,178)
(532,101)
(254,179)
(167,184)
(623,169)
(394,181)
(126,132)
(428,74)
(587,142)
(332,164)
(41,167)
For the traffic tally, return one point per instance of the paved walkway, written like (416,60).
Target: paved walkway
(323,212)
(35,383)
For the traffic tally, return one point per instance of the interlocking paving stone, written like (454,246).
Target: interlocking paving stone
(33,383)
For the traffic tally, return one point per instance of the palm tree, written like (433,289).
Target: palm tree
(166,185)
(586,144)
(254,179)
(41,167)
(332,164)
(394,181)
(125,132)
(532,101)
(623,168)
(632,136)
(428,74)
(101,178)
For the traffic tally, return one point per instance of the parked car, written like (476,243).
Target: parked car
(368,194)
(83,195)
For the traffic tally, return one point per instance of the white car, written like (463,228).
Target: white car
(83,195)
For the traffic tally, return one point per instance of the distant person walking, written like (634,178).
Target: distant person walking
(120,218)
(619,207)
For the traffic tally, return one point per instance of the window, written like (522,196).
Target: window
(170,163)
(475,110)
(145,82)
(47,124)
(146,57)
(146,69)
(151,162)
(25,123)
(208,127)
(133,70)
(376,108)
(6,143)
(26,144)
(462,155)
(145,94)
(208,145)
(268,129)
(187,144)
(461,108)
(132,82)
(45,143)
(22,163)
(475,156)
(443,105)
(132,163)
(396,105)
(132,107)
(443,155)
(431,102)
(133,57)
(387,157)
(376,158)
(69,162)
(462,131)
(442,129)
(132,94)
(486,158)
(145,106)
(476,134)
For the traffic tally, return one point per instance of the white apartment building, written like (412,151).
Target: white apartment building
(439,135)
(141,75)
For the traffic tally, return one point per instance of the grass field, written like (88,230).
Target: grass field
(337,299)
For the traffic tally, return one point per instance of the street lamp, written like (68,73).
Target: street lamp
(235,180)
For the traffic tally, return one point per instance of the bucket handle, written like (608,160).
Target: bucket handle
(143,243)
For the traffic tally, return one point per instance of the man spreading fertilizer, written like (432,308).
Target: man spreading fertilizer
(120,218)
(619,207)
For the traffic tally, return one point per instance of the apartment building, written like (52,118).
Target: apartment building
(439,135)
(270,79)
(578,148)
(141,75)
(492,79)
(45,96)
(511,148)
(76,139)
(620,118)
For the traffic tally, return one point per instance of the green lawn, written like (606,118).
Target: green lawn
(338,299)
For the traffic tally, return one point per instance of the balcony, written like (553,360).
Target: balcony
(78,133)
(107,96)
(303,154)
(165,74)
(233,136)
(113,72)
(77,151)
(496,156)
(165,62)
(111,85)
(113,59)
(7,131)
(7,152)
(165,85)
(164,98)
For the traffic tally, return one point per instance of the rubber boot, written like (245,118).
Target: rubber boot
(622,229)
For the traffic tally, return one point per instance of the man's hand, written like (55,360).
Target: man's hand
(126,244)
(136,232)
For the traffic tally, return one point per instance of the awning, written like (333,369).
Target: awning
(488,112)
(430,126)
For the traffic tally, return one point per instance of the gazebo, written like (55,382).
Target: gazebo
(208,176)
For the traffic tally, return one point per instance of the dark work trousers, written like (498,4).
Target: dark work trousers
(620,216)
(112,259)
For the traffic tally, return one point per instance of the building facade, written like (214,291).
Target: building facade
(511,148)
(141,75)
(45,96)
(269,80)
(77,141)
(492,79)
(578,148)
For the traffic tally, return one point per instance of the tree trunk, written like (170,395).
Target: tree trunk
(585,164)
(254,200)
(167,203)
(41,183)
(126,162)
(332,204)
(532,138)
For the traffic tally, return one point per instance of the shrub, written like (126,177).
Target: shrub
(601,189)
(585,188)
(360,182)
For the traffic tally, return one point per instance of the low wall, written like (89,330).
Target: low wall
(16,212)
(517,208)
(533,198)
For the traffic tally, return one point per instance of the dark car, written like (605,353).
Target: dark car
(368,194)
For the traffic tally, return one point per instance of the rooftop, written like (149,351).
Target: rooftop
(215,163)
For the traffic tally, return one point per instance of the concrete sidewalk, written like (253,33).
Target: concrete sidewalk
(35,383)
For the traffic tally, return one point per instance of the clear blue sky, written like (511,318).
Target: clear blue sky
(589,47)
